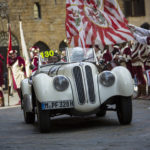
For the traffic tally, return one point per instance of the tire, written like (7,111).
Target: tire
(124,110)
(29,117)
(43,120)
(101,113)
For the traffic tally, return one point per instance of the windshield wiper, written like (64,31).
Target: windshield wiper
(87,58)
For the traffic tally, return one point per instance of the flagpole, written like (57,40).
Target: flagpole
(8,68)
(8,84)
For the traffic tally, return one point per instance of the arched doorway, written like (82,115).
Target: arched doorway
(3,50)
(62,46)
(42,46)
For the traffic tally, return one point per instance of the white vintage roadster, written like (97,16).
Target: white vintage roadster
(76,87)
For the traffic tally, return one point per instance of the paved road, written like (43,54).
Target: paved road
(88,133)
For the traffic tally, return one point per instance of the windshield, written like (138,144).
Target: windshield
(70,55)
(78,54)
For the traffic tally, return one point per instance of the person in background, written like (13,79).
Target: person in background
(142,37)
(147,69)
(126,52)
(107,57)
(34,52)
(1,82)
(16,66)
(116,55)
(138,68)
(140,34)
(98,52)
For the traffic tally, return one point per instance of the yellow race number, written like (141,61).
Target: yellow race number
(47,54)
(51,53)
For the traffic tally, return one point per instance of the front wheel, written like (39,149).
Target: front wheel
(101,113)
(124,110)
(43,119)
(29,117)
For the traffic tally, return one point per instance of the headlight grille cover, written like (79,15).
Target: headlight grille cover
(60,83)
(90,83)
(79,84)
(107,78)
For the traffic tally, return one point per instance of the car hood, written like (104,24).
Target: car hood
(64,69)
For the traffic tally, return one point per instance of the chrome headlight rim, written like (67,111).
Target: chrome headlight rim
(60,86)
(107,78)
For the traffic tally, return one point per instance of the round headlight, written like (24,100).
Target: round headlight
(107,78)
(60,83)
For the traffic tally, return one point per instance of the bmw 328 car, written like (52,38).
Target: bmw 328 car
(76,87)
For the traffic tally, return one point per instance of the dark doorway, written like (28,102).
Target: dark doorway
(3,51)
(42,46)
(134,8)
(62,45)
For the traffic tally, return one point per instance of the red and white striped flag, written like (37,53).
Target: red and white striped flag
(95,22)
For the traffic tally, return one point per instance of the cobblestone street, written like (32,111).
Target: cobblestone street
(76,133)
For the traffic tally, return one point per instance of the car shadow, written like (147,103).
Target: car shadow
(73,124)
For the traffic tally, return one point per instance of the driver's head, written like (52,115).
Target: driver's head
(54,59)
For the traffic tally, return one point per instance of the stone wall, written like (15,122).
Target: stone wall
(140,20)
(50,29)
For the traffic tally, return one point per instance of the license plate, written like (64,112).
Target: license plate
(57,104)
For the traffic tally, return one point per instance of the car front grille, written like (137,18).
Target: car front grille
(79,84)
(90,83)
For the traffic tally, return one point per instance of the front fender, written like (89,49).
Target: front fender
(27,103)
(25,87)
(123,85)
(45,91)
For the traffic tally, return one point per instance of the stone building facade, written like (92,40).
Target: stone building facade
(139,11)
(47,30)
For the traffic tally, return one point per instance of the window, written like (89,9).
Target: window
(55,2)
(134,8)
(37,11)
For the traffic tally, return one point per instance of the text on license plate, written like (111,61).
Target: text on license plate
(57,104)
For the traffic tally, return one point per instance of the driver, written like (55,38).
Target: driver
(54,59)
